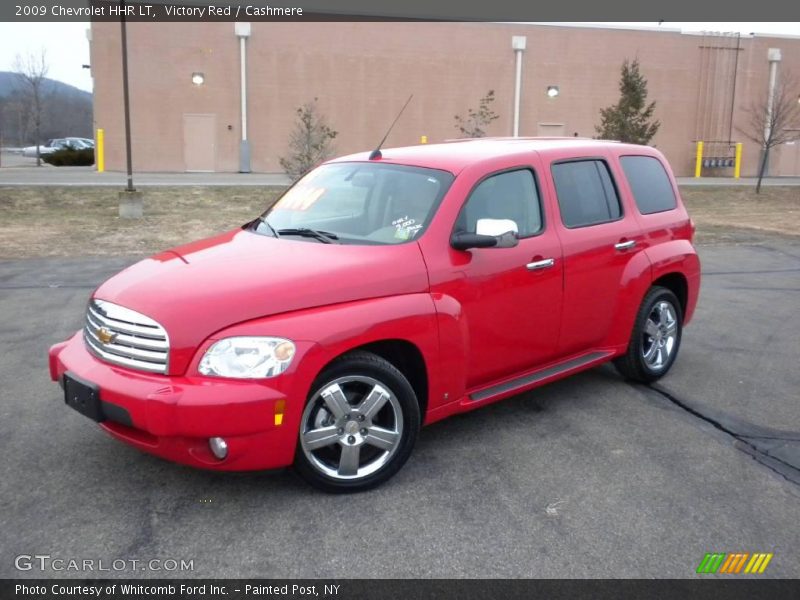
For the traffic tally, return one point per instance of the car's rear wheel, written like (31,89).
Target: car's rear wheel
(359,425)
(655,339)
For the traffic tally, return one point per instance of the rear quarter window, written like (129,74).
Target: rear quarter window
(649,183)
(586,194)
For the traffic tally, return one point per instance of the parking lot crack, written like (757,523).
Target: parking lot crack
(790,437)
(777,450)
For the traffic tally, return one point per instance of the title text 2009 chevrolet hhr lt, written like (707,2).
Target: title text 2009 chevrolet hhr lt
(381,293)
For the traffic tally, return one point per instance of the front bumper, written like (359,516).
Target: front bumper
(173,417)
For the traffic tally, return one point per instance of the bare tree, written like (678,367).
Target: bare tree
(3,111)
(32,73)
(774,121)
(477,120)
(310,143)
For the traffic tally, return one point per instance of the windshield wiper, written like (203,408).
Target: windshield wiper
(326,237)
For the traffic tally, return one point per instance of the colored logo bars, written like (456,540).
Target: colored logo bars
(734,562)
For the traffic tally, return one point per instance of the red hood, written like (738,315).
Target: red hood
(200,288)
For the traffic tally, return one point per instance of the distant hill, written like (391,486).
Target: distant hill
(67,111)
(9,83)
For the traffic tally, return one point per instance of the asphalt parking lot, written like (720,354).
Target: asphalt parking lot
(588,477)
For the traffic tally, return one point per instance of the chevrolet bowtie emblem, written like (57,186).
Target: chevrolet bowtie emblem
(105,336)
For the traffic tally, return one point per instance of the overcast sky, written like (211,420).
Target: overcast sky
(67,47)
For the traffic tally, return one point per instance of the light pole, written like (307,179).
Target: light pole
(130,201)
(242,31)
(126,98)
(774,57)
(518,43)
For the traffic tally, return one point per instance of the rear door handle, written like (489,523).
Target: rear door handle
(625,245)
(540,264)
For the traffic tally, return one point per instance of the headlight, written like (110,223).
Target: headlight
(248,357)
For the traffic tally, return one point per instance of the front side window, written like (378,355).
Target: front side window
(649,183)
(358,203)
(586,193)
(504,202)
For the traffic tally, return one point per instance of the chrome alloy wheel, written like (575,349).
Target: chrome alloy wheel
(351,427)
(660,335)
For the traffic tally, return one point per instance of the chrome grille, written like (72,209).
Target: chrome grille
(131,339)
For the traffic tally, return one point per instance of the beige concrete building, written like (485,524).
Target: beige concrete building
(362,74)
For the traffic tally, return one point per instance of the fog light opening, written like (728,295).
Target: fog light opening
(218,447)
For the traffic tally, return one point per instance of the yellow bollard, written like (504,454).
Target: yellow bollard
(423,139)
(737,161)
(99,151)
(698,165)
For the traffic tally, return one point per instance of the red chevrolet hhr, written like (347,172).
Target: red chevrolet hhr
(386,291)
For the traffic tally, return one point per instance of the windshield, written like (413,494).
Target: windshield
(358,203)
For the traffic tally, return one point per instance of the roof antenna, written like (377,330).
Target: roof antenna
(376,154)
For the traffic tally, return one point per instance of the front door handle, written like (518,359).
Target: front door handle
(540,264)
(625,245)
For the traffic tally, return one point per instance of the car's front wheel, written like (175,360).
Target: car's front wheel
(359,425)
(655,339)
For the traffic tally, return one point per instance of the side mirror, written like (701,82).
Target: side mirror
(465,241)
(496,227)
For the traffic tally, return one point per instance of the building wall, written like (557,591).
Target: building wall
(362,74)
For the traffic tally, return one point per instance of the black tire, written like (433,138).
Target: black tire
(634,364)
(359,376)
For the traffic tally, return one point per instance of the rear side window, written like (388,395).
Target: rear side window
(586,193)
(649,183)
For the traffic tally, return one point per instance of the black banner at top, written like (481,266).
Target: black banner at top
(407,10)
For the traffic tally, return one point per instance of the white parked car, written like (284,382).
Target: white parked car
(58,144)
